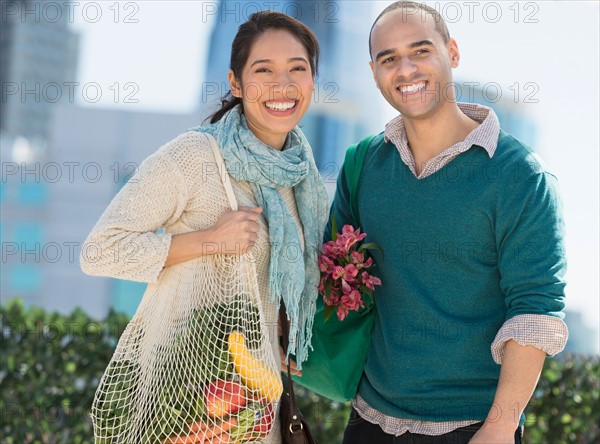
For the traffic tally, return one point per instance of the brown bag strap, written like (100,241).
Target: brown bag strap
(294,412)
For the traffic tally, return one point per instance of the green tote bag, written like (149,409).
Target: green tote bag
(336,364)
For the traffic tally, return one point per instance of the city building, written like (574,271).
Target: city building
(583,338)
(50,206)
(38,62)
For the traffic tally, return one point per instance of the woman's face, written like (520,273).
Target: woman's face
(277,85)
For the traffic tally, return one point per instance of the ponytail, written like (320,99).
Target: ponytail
(228,102)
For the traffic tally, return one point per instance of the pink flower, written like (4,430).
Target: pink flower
(352,236)
(370,281)
(358,258)
(332,250)
(348,273)
(348,238)
(346,288)
(333,299)
(326,265)
(352,300)
(342,312)
(342,244)
(349,230)
(338,272)
(321,286)
(343,272)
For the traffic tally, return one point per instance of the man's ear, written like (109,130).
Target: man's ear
(372,65)
(234,85)
(454,53)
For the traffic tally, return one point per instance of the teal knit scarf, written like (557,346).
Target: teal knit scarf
(267,170)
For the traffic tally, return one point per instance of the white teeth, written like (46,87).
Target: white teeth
(280,106)
(412,88)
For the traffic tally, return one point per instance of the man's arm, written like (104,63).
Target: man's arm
(531,262)
(520,372)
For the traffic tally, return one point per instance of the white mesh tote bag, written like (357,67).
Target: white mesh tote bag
(195,363)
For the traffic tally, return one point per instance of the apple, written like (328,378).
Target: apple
(223,398)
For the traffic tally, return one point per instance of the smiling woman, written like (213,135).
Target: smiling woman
(275,89)
(271,74)
(218,271)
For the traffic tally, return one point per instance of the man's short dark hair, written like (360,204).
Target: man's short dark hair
(414,8)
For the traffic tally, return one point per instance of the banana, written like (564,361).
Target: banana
(253,372)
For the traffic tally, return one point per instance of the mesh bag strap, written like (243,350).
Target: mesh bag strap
(223,170)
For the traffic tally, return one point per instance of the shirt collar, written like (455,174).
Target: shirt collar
(485,135)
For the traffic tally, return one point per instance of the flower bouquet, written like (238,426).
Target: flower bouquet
(345,276)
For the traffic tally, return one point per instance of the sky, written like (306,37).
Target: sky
(543,55)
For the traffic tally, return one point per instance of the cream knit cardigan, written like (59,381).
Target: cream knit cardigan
(178,189)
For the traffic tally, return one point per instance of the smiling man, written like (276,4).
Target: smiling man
(472,230)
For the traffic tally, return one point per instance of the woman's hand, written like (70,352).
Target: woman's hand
(234,233)
(293,368)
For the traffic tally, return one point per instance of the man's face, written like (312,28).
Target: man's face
(412,65)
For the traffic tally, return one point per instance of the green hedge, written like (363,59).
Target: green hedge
(566,404)
(51,364)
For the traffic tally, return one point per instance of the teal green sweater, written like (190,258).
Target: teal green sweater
(465,249)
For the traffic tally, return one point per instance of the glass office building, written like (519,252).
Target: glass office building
(38,55)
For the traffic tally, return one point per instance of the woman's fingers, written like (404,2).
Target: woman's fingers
(256,210)
(293,367)
(237,231)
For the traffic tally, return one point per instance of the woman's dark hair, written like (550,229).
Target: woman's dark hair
(248,32)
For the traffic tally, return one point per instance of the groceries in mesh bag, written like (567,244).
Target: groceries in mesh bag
(210,381)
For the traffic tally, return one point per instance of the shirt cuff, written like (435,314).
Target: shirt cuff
(548,333)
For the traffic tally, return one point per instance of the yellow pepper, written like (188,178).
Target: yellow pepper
(253,372)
